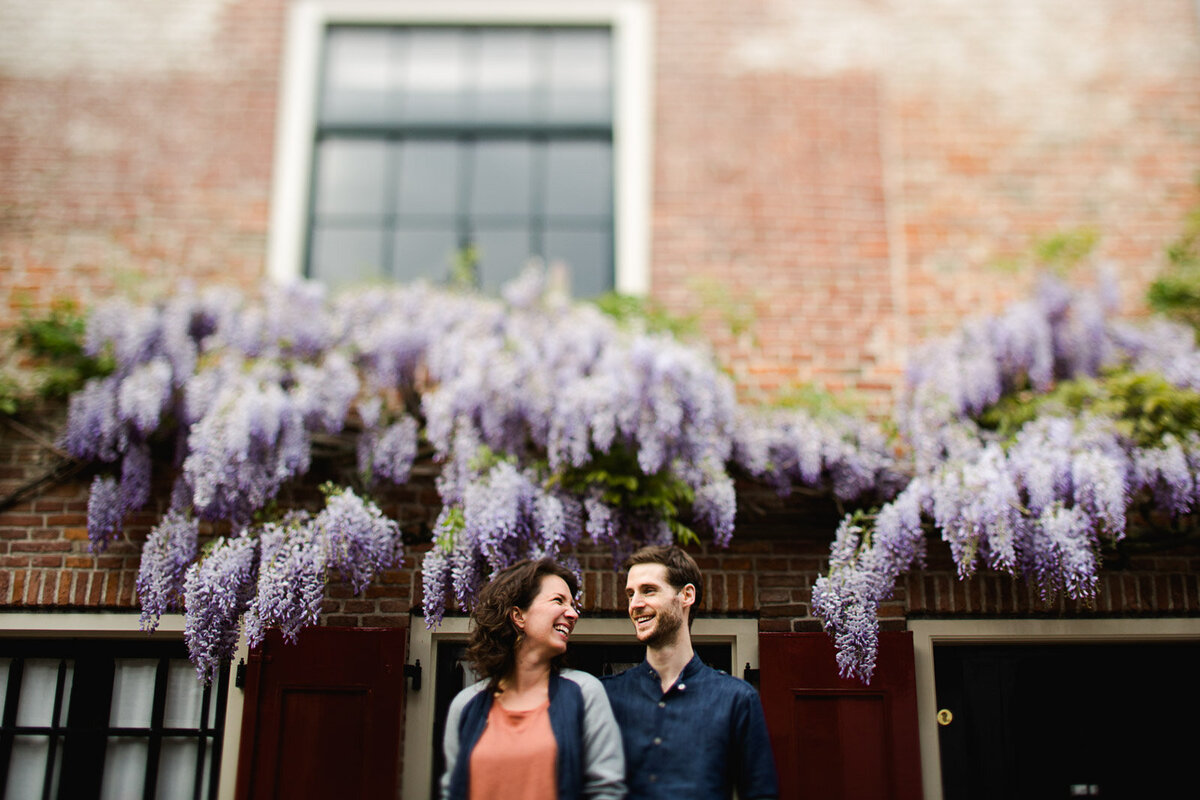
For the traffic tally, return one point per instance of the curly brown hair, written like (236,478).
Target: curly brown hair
(681,569)
(491,651)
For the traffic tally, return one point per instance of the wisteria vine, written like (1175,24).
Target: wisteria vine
(1039,505)
(551,425)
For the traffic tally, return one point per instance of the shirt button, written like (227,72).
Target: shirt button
(653,778)
(682,686)
(658,740)
(661,704)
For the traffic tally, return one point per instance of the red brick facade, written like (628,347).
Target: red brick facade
(849,179)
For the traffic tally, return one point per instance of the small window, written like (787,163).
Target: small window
(461,152)
(107,719)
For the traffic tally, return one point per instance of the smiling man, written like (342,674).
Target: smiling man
(689,730)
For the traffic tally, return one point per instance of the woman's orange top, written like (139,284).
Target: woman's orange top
(515,757)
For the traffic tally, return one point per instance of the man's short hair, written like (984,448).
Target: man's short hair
(681,569)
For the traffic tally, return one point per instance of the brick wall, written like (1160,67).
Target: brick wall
(843,178)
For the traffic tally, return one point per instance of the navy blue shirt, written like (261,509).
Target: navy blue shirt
(702,738)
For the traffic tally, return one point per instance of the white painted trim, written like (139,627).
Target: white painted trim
(928,633)
(116,625)
(740,633)
(633,124)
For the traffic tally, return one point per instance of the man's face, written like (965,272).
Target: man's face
(657,610)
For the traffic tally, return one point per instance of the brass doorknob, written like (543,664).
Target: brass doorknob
(945,717)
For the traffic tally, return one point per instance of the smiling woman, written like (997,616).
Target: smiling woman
(530,729)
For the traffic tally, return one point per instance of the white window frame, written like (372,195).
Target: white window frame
(632,27)
(115,625)
(740,633)
(929,633)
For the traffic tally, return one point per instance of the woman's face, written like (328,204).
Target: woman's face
(550,618)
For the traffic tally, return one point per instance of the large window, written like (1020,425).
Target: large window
(459,140)
(463,149)
(108,719)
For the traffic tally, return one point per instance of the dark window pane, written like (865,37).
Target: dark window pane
(185,696)
(124,767)
(347,255)
(502,254)
(580,76)
(177,768)
(427,252)
(579,179)
(507,76)
(500,178)
(429,177)
(39,685)
(435,74)
(359,76)
(350,177)
(27,766)
(133,692)
(588,256)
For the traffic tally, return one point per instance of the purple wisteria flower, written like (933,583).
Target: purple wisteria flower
(359,540)
(217,591)
(169,550)
(293,556)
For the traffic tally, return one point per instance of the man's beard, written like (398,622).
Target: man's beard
(667,624)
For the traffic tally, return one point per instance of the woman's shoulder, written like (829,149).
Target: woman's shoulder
(467,695)
(588,683)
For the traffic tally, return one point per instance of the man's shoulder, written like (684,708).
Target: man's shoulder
(616,679)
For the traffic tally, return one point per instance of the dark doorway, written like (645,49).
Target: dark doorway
(1065,721)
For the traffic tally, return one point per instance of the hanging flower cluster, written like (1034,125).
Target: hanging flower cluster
(1039,505)
(551,425)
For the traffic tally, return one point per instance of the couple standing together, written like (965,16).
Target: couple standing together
(534,730)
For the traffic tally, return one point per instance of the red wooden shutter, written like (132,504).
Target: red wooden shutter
(323,717)
(835,738)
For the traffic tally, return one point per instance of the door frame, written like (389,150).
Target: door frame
(741,633)
(927,633)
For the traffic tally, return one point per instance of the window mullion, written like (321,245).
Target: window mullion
(12,695)
(55,729)
(154,744)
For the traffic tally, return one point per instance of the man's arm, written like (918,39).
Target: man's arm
(754,771)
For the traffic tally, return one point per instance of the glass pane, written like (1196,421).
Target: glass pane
(177,769)
(429,177)
(435,75)
(358,75)
(206,775)
(342,256)
(350,177)
(500,178)
(581,76)
(507,76)
(502,255)
(424,253)
(133,692)
(124,768)
(185,694)
(39,682)
(5,664)
(27,766)
(579,179)
(213,692)
(588,256)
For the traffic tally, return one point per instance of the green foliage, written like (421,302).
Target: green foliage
(450,525)
(1065,250)
(1145,406)
(819,402)
(627,309)
(44,358)
(623,485)
(1176,293)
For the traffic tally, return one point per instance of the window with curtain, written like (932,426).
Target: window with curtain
(460,153)
(108,719)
